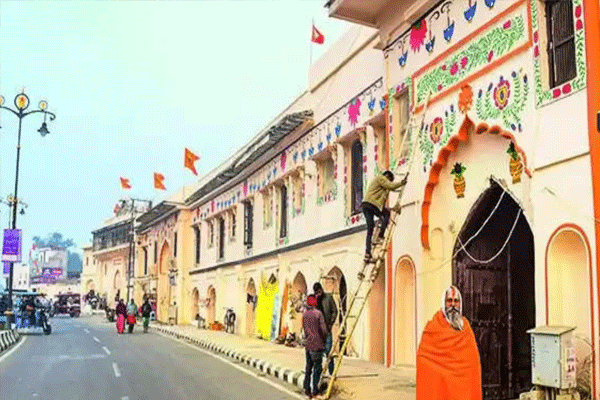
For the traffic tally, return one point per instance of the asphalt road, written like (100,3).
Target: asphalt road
(85,359)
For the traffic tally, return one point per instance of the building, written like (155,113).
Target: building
(503,185)
(90,273)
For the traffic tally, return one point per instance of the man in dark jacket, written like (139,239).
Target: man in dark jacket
(326,304)
(315,333)
(146,312)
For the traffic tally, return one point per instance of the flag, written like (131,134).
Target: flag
(189,160)
(125,183)
(158,181)
(317,37)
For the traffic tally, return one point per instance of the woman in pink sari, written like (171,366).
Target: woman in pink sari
(121,312)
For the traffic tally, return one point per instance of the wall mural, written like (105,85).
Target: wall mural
(497,41)
(502,100)
(546,96)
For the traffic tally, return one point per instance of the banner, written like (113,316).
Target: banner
(11,251)
(48,263)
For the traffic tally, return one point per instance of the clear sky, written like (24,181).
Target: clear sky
(135,82)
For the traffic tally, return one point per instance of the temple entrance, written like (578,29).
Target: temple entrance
(495,274)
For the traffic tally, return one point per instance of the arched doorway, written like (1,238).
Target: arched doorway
(195,306)
(335,283)
(250,306)
(568,266)
(404,313)
(212,305)
(299,293)
(116,280)
(495,274)
(163,284)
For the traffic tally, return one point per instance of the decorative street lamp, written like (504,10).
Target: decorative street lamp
(22,103)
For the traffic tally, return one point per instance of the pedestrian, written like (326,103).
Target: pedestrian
(315,332)
(448,363)
(121,311)
(146,312)
(326,304)
(132,313)
(374,205)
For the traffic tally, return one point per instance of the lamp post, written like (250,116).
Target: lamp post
(22,103)
(131,257)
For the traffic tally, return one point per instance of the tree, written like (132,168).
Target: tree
(56,239)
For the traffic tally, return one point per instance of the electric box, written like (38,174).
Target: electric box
(553,362)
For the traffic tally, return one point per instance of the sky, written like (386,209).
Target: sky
(133,83)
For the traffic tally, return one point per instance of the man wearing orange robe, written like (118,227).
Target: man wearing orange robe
(448,364)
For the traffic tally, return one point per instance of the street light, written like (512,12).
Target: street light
(22,103)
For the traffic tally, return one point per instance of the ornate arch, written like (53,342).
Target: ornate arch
(467,128)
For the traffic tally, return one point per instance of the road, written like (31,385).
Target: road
(85,358)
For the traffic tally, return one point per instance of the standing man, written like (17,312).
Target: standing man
(326,304)
(374,205)
(315,333)
(448,364)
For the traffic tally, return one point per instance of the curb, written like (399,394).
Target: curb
(8,339)
(266,367)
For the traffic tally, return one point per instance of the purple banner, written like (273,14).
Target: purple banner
(11,251)
(6,268)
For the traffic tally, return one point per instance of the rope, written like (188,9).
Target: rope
(501,249)
(482,226)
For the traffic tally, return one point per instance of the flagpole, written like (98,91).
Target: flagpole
(311,42)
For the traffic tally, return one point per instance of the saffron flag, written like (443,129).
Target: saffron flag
(189,160)
(317,37)
(158,181)
(125,183)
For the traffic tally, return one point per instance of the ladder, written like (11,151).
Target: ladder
(370,270)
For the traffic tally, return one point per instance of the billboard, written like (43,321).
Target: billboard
(47,264)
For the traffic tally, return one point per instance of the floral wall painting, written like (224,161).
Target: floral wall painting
(404,54)
(436,134)
(490,3)
(449,31)
(354,111)
(430,44)
(505,35)
(504,100)
(459,181)
(516,166)
(418,33)
(470,12)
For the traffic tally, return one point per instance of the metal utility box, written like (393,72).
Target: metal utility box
(553,361)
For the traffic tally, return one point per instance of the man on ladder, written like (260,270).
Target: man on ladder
(374,205)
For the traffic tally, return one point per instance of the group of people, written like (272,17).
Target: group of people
(129,313)
(317,323)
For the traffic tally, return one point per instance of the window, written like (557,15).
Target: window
(232,225)
(328,176)
(357,176)
(155,252)
(197,232)
(267,208)
(248,220)
(401,121)
(211,234)
(221,238)
(284,211)
(145,261)
(561,42)
(175,244)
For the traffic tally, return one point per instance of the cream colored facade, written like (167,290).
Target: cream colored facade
(90,274)
(497,51)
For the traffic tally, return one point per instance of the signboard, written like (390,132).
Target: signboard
(6,267)
(11,251)
(47,263)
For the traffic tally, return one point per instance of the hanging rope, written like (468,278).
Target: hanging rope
(482,226)
(501,249)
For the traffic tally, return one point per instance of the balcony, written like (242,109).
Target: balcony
(357,11)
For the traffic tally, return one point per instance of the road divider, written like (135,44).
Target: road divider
(8,339)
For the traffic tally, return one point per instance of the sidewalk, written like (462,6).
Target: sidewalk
(357,379)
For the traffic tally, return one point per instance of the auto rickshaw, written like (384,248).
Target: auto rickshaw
(67,303)
(30,310)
